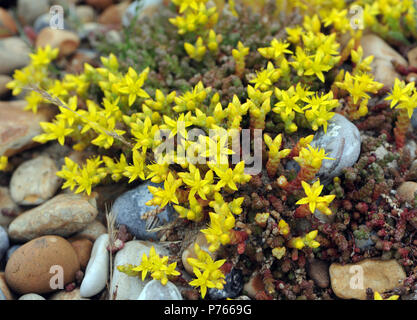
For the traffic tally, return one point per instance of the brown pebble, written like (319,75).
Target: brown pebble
(319,271)
(32,267)
(83,249)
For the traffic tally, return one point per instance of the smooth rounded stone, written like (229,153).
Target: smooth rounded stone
(412,57)
(4,242)
(83,249)
(63,215)
(14,54)
(382,67)
(4,80)
(378,275)
(92,231)
(189,252)
(97,271)
(139,9)
(42,22)
(67,295)
(31,296)
(130,207)
(154,290)
(35,266)
(113,14)
(319,271)
(8,26)
(85,13)
(5,293)
(65,40)
(17,126)
(29,10)
(407,191)
(342,141)
(122,286)
(11,250)
(232,288)
(34,181)
(8,208)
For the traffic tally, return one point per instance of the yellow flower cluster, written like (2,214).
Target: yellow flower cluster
(207,271)
(196,18)
(156,266)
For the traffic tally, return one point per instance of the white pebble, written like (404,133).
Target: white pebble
(97,270)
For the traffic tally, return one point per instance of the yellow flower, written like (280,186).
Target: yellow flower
(132,85)
(207,271)
(44,56)
(3,163)
(313,198)
(166,195)
(197,185)
(377,296)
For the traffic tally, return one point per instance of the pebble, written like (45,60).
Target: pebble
(29,268)
(85,13)
(129,208)
(154,290)
(4,242)
(31,296)
(42,22)
(7,24)
(407,190)
(14,54)
(145,7)
(11,250)
(318,270)
(122,286)
(342,141)
(412,57)
(97,271)
(17,126)
(189,252)
(63,215)
(113,14)
(8,208)
(34,181)
(65,40)
(232,288)
(29,10)
(382,67)
(4,79)
(378,275)
(5,293)
(92,231)
(68,295)
(83,249)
